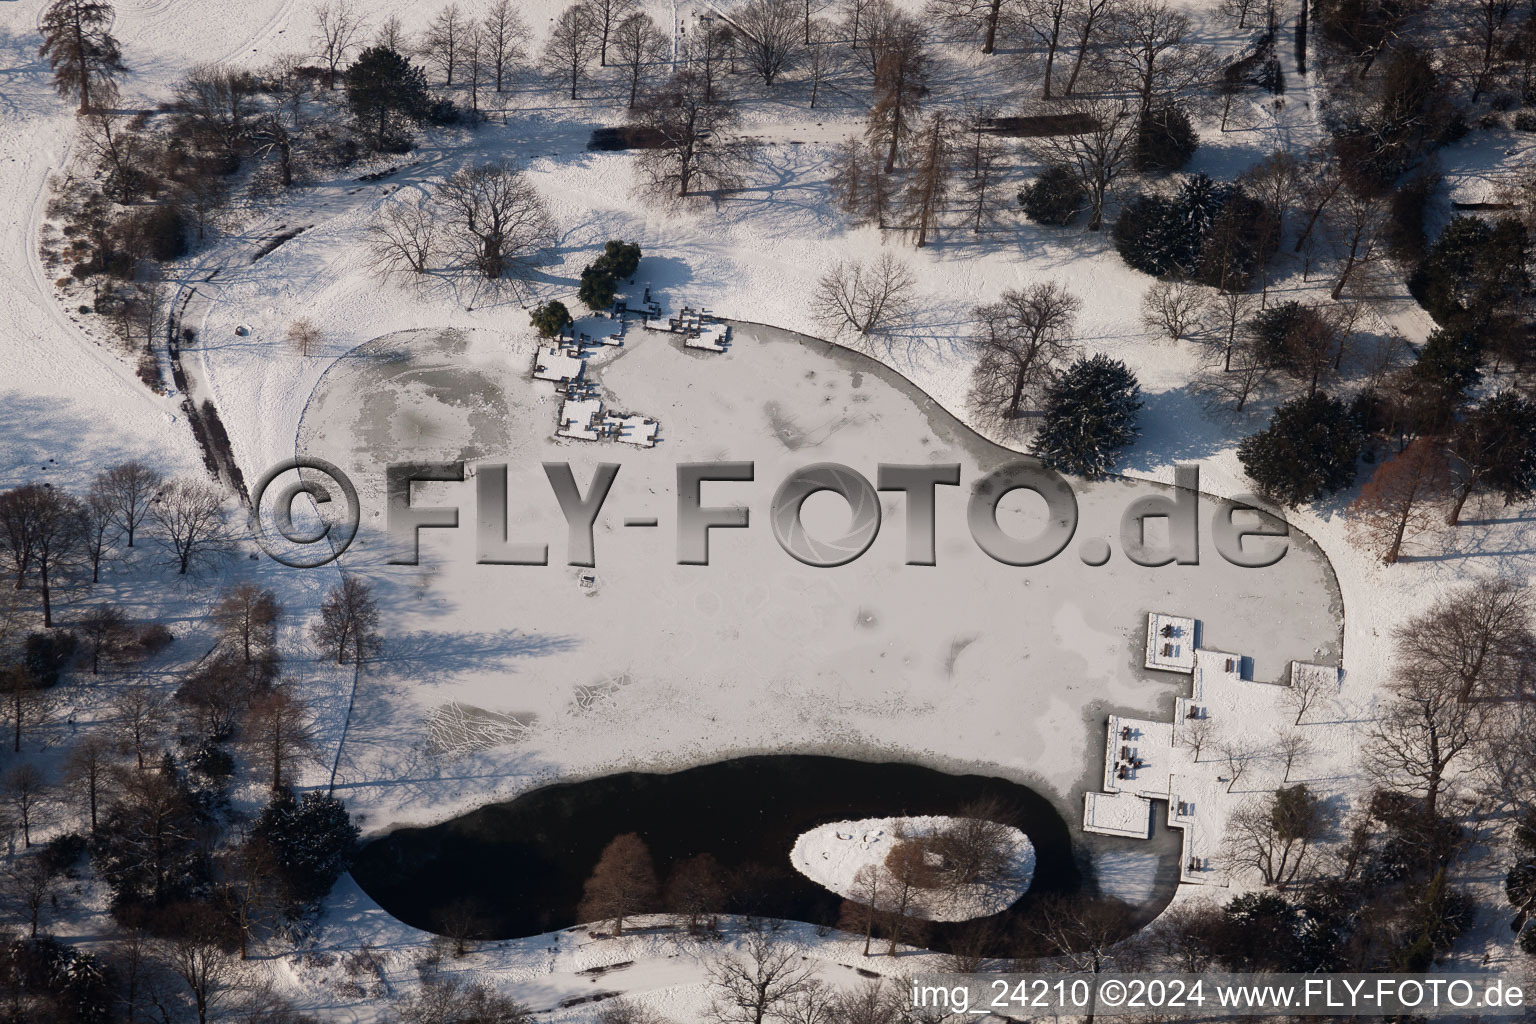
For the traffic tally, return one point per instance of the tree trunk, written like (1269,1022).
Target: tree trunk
(1453,518)
(991,40)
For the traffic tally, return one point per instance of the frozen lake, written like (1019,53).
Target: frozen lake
(496,678)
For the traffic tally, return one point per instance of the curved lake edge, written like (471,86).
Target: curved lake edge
(523,861)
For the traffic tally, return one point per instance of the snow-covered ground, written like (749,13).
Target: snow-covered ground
(833,855)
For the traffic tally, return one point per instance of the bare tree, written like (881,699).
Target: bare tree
(622,884)
(1099,154)
(638,46)
(1235,375)
(1274,835)
(859,181)
(32,884)
(976,18)
(88,769)
(900,65)
(572,44)
(190,515)
(1173,308)
(855,18)
(247,889)
(247,618)
(863,296)
(1427,727)
(1276,182)
(1483,41)
(698,149)
(124,156)
(1396,500)
(455,999)
(25,791)
(1048,22)
(104,633)
(1020,341)
(18,529)
(203,957)
(1085,936)
(866,906)
(475,62)
(769,37)
(25,700)
(278,729)
(338,28)
(824,59)
(1154,53)
(1358,224)
(1197,734)
(216,106)
(403,238)
(754,985)
(57,540)
(506,40)
(82,52)
(695,888)
(1088,19)
(1477,637)
(1291,746)
(128,490)
(139,718)
(1309,689)
(349,622)
(499,219)
(1238,758)
(442,45)
(607,15)
(976,844)
(929,178)
(304,336)
(391,35)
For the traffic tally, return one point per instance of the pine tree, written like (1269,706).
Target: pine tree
(386,93)
(1165,140)
(1494,447)
(1055,197)
(550,318)
(312,842)
(80,48)
(1090,415)
(1308,450)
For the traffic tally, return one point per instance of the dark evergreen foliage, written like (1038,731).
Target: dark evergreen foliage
(1090,415)
(1475,269)
(387,95)
(43,979)
(46,655)
(1165,140)
(1055,197)
(1209,230)
(1308,450)
(151,847)
(550,318)
(600,280)
(312,841)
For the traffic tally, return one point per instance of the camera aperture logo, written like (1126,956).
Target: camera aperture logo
(1260,541)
